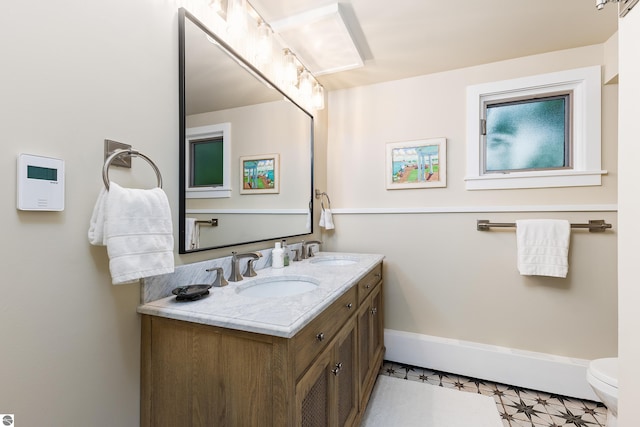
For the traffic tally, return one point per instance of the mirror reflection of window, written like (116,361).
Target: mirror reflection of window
(530,134)
(207,163)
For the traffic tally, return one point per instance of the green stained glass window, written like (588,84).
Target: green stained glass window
(207,162)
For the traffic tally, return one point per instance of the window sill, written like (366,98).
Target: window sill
(208,193)
(537,179)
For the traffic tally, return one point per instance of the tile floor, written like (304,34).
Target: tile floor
(517,406)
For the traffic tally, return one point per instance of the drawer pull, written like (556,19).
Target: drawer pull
(337,369)
(378,274)
(320,336)
(367,286)
(349,306)
(374,311)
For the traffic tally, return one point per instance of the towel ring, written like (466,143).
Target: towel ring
(130,152)
(322,196)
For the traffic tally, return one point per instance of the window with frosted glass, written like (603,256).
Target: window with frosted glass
(527,134)
(207,162)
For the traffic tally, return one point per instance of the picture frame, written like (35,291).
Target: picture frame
(416,164)
(260,174)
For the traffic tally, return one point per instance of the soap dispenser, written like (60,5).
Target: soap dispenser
(277,256)
(285,254)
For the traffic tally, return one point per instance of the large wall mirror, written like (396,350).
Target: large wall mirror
(246,149)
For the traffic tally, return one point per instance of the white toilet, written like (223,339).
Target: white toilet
(602,376)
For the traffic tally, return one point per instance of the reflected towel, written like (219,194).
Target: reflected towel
(192,234)
(328,220)
(136,227)
(543,247)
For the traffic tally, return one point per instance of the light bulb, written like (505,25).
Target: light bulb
(290,67)
(317,98)
(265,44)
(237,17)
(216,6)
(305,85)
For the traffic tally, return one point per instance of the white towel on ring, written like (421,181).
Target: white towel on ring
(543,247)
(135,225)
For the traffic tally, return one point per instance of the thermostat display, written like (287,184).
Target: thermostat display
(40,183)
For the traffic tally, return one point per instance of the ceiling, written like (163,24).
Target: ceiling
(405,38)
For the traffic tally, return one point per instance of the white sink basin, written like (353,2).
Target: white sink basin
(277,287)
(333,260)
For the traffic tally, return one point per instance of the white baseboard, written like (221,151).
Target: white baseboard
(537,371)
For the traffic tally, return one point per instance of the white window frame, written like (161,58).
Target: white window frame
(203,132)
(585,83)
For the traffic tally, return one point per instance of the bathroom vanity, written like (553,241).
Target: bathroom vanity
(244,358)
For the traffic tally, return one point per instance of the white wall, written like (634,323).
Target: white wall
(629,241)
(74,73)
(443,278)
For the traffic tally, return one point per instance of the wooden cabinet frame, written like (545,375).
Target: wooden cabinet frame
(200,375)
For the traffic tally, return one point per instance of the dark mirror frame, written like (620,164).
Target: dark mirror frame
(242,63)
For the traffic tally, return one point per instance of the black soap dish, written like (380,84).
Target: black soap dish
(191,292)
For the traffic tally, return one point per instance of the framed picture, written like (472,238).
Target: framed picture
(260,174)
(416,164)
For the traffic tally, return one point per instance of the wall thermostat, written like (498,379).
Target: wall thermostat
(40,183)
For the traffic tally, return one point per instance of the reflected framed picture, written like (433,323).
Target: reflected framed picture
(260,174)
(416,164)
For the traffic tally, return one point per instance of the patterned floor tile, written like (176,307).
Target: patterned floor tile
(518,407)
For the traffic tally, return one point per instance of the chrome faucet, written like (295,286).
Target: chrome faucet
(235,265)
(308,253)
(220,280)
(296,254)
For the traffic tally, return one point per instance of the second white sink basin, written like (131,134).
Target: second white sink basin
(334,260)
(277,287)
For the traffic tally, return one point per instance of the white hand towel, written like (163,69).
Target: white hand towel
(96,223)
(328,220)
(192,234)
(543,247)
(322,218)
(137,229)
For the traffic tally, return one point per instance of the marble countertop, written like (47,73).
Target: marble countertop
(279,316)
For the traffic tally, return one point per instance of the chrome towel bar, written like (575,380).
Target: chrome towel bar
(131,153)
(594,225)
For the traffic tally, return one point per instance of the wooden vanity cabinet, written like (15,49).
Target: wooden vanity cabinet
(199,375)
(370,318)
(327,394)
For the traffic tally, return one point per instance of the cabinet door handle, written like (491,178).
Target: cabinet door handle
(374,311)
(320,336)
(378,274)
(337,368)
(367,286)
(349,306)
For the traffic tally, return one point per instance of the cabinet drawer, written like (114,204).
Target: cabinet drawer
(316,335)
(368,282)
